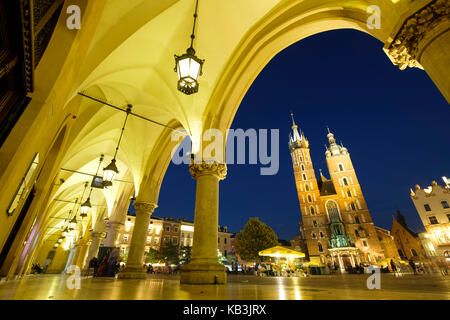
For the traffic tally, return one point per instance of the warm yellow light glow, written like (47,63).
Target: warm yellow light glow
(187,228)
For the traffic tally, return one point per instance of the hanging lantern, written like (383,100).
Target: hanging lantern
(60,239)
(73,223)
(188,66)
(85,208)
(56,245)
(109,173)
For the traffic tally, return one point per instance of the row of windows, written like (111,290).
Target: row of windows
(175,229)
(444,205)
(434,220)
(224,240)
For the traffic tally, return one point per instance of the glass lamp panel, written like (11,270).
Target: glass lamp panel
(108,175)
(183,67)
(194,69)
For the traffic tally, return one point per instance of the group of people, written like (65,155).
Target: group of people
(108,267)
(162,270)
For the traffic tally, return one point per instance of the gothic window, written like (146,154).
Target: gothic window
(303,167)
(445,204)
(309,198)
(304,176)
(357,219)
(448,217)
(353,206)
(332,209)
(365,243)
(313,235)
(345,181)
(320,247)
(312,210)
(315,223)
(341,167)
(349,193)
(414,252)
(321,234)
(306,187)
(357,233)
(427,207)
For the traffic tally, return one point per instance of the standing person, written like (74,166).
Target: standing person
(394,267)
(413,266)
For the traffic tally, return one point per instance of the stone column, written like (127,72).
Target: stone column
(341,263)
(113,231)
(423,41)
(204,267)
(134,268)
(83,249)
(96,239)
(70,258)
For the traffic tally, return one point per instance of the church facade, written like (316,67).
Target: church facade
(336,228)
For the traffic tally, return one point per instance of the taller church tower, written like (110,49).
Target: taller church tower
(336,227)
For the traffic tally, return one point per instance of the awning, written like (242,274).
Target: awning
(280,251)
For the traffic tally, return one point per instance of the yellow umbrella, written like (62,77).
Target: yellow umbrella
(280,251)
(388,260)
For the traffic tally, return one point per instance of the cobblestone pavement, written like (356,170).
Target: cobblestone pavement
(158,287)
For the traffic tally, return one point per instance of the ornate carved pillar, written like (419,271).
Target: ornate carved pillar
(134,268)
(113,231)
(423,42)
(204,267)
(96,238)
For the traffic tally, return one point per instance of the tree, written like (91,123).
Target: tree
(170,253)
(255,236)
(152,256)
(223,260)
(185,255)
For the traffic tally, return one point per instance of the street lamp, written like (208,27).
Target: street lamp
(188,66)
(73,223)
(85,208)
(110,172)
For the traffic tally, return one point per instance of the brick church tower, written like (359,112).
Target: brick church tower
(336,227)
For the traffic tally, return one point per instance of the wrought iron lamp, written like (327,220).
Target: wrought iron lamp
(110,172)
(188,66)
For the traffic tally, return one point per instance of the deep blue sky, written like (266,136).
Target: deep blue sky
(394,124)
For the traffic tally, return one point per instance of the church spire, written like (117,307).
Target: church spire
(334,149)
(297,139)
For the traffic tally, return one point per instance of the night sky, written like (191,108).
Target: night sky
(394,124)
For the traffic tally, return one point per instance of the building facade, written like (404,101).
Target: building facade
(433,206)
(336,225)
(176,231)
(387,243)
(408,243)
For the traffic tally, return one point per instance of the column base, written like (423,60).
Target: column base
(203,273)
(132,273)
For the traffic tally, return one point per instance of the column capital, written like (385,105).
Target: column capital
(97,234)
(404,49)
(146,207)
(208,168)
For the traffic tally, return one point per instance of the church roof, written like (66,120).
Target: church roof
(326,186)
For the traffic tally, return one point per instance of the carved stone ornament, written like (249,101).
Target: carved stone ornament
(208,168)
(403,51)
(145,207)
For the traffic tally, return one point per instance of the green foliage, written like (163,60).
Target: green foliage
(221,258)
(185,255)
(124,256)
(170,253)
(152,256)
(255,237)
